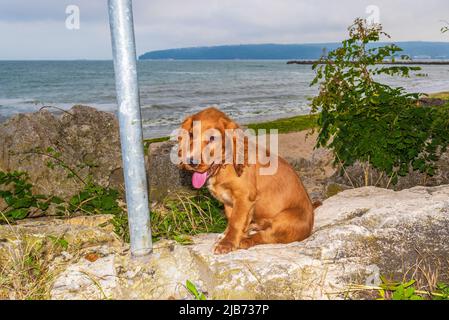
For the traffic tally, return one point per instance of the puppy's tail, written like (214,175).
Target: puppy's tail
(317,204)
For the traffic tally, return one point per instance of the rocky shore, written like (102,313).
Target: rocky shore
(360,232)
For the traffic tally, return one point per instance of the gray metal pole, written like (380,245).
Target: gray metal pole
(130,120)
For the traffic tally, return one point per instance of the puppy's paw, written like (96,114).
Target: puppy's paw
(246,243)
(224,247)
(253,228)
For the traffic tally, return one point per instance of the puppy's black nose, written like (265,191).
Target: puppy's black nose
(193,161)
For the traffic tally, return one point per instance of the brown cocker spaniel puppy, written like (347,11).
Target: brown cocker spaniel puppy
(260,209)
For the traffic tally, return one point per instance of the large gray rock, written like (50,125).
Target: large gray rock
(164,177)
(359,234)
(87,140)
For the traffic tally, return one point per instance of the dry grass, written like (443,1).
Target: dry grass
(28,267)
(426,273)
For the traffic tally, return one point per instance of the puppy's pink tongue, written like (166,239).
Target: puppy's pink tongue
(199,179)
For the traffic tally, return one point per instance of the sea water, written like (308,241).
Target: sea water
(248,91)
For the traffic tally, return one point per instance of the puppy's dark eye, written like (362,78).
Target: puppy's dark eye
(212,139)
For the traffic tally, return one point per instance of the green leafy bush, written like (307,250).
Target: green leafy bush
(21,202)
(364,120)
(95,199)
(16,192)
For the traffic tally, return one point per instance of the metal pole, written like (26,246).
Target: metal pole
(130,120)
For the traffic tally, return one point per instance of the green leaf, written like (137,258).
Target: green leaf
(408,292)
(192,288)
(183,239)
(56,200)
(409,283)
(18,214)
(63,243)
(398,294)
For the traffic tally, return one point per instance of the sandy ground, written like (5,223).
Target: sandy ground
(314,166)
(297,144)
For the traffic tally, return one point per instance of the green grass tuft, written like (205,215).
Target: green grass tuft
(148,142)
(185,215)
(286,125)
(180,217)
(155,140)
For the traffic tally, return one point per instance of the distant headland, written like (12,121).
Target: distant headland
(417,50)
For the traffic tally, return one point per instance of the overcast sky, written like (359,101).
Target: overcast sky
(37,29)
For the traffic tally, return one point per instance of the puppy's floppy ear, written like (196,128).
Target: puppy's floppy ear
(183,139)
(239,169)
(239,152)
(187,123)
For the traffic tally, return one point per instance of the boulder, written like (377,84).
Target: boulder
(83,140)
(165,177)
(359,235)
